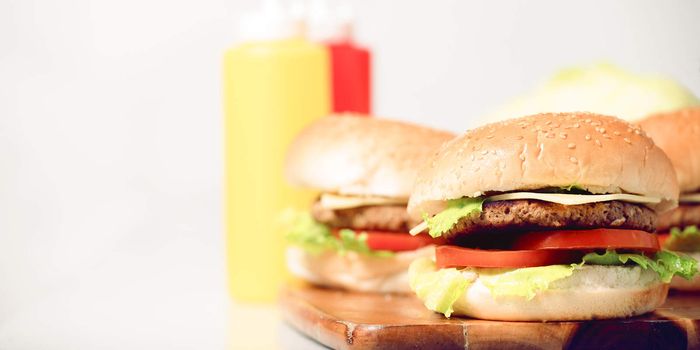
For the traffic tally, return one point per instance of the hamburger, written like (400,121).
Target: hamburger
(677,133)
(546,217)
(355,235)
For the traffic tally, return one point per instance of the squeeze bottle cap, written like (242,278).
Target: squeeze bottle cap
(329,23)
(297,10)
(272,22)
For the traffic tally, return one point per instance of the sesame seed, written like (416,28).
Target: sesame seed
(520,137)
(576,125)
(484,152)
(588,137)
(627,140)
(551,136)
(562,135)
(607,136)
(548,122)
(476,168)
(472,157)
(597,142)
(489,136)
(617,133)
(571,145)
(588,120)
(493,152)
(638,131)
(573,160)
(602,130)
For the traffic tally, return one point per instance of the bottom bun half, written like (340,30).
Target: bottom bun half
(591,292)
(356,272)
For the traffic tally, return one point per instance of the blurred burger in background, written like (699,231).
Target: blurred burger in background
(547,217)
(678,134)
(355,235)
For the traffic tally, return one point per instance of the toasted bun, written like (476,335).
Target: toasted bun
(356,272)
(599,153)
(357,155)
(680,283)
(678,134)
(592,292)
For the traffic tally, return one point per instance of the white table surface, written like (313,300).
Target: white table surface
(171,297)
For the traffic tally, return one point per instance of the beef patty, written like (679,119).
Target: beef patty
(684,215)
(371,217)
(515,215)
(526,214)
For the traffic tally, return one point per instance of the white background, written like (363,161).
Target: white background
(111,140)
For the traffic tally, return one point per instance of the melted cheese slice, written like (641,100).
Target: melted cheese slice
(334,201)
(575,199)
(562,198)
(690,198)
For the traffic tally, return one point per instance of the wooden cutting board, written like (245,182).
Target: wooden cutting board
(346,320)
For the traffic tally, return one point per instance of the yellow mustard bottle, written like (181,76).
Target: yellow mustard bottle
(274,84)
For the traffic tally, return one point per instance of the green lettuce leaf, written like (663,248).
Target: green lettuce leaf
(572,187)
(524,282)
(439,289)
(665,263)
(305,232)
(448,218)
(686,240)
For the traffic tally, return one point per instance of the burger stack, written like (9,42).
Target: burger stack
(355,235)
(540,218)
(678,133)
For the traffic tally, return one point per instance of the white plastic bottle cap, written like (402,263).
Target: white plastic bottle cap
(328,22)
(272,22)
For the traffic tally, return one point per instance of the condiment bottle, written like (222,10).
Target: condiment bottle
(351,66)
(274,83)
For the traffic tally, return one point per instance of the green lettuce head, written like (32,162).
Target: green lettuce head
(601,88)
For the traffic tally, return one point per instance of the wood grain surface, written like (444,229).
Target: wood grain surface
(347,320)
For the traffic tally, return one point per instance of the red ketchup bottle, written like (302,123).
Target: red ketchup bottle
(351,77)
(351,64)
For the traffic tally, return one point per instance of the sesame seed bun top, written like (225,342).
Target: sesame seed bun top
(678,134)
(600,154)
(357,155)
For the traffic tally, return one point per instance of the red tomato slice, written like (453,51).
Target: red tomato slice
(453,256)
(662,238)
(396,241)
(589,239)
